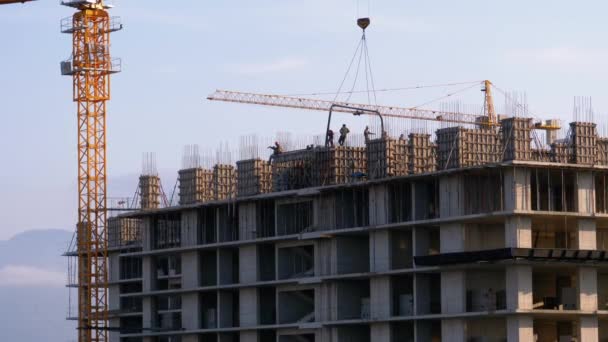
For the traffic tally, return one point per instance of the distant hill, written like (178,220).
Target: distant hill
(37,311)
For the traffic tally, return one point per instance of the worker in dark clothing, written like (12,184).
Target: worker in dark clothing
(330,138)
(366,134)
(276,150)
(343,132)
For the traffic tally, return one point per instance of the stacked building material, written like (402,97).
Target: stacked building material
(254,176)
(584,142)
(387,157)
(149,191)
(421,153)
(224,181)
(293,170)
(195,185)
(339,165)
(124,232)
(516,135)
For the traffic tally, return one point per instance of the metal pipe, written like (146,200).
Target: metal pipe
(357,112)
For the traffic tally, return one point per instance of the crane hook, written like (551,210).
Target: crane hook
(363,23)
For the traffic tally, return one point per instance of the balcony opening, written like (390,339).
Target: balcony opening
(130,268)
(485,291)
(294,217)
(553,190)
(426,205)
(352,254)
(400,202)
(267,262)
(484,192)
(486,330)
(352,208)
(208,305)
(557,233)
(428,293)
(554,290)
(228,222)
(403,332)
(267,308)
(228,309)
(353,296)
(403,295)
(296,306)
(427,241)
(208,267)
(228,266)
(354,333)
(265,219)
(296,262)
(166,231)
(552,330)
(207,219)
(401,249)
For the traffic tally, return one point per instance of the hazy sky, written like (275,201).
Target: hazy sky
(175,53)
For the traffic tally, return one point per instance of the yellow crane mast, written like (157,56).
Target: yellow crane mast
(91,66)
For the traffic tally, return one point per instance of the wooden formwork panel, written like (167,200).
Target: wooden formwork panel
(561,152)
(482,146)
(337,165)
(224,181)
(584,142)
(516,135)
(293,170)
(254,176)
(450,147)
(602,151)
(195,185)
(124,232)
(149,192)
(421,153)
(386,158)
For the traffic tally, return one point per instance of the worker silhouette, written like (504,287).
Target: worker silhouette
(343,132)
(276,150)
(366,134)
(329,140)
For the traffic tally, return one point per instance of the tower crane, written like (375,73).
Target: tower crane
(346,107)
(90,66)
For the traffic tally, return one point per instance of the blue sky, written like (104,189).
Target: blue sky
(176,53)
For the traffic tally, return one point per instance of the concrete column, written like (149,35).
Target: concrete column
(586,234)
(248,264)
(188,228)
(519,287)
(453,292)
(148,313)
(326,302)
(148,273)
(381,332)
(520,329)
(518,232)
(191,319)
(587,286)
(451,196)
(146,233)
(517,189)
(378,205)
(114,267)
(379,251)
(191,270)
(248,307)
(249,336)
(380,298)
(585,192)
(589,331)
(247,221)
(113,297)
(114,336)
(453,330)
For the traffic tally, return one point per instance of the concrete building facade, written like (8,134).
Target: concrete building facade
(510,251)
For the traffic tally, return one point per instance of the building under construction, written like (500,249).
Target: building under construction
(467,234)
